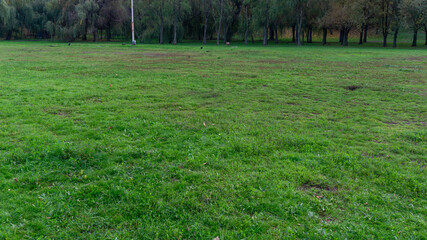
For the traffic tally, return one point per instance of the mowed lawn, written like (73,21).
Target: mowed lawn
(110,141)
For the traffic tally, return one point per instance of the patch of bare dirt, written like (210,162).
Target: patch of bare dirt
(243,75)
(273,61)
(211,95)
(406,59)
(415,58)
(141,68)
(353,87)
(38,69)
(119,53)
(152,54)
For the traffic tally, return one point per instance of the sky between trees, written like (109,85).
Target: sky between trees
(171,21)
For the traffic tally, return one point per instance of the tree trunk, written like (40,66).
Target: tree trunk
(175,22)
(425,30)
(85,33)
(9,35)
(385,39)
(276,33)
(310,34)
(345,37)
(395,37)
(361,34)
(225,32)
(365,37)
(175,40)
(414,41)
(109,34)
(235,19)
(265,40)
(302,35)
(299,33)
(205,31)
(325,35)
(247,24)
(385,23)
(293,33)
(94,34)
(218,31)
(162,26)
(162,22)
(271,32)
(342,37)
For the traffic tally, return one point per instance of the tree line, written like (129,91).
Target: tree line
(171,21)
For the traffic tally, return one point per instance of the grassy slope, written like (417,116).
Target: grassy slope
(105,141)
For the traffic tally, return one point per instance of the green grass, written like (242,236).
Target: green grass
(104,141)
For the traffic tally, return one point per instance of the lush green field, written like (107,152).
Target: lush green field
(105,141)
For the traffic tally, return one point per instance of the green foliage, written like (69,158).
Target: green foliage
(415,13)
(166,20)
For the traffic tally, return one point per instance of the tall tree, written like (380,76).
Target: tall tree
(207,8)
(262,16)
(369,11)
(53,13)
(299,8)
(344,16)
(220,10)
(235,7)
(414,14)
(18,16)
(322,20)
(396,20)
(180,7)
(88,12)
(112,14)
(386,17)
(247,7)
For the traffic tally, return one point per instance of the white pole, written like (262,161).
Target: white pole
(133,24)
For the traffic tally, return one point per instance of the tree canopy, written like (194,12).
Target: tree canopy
(171,21)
